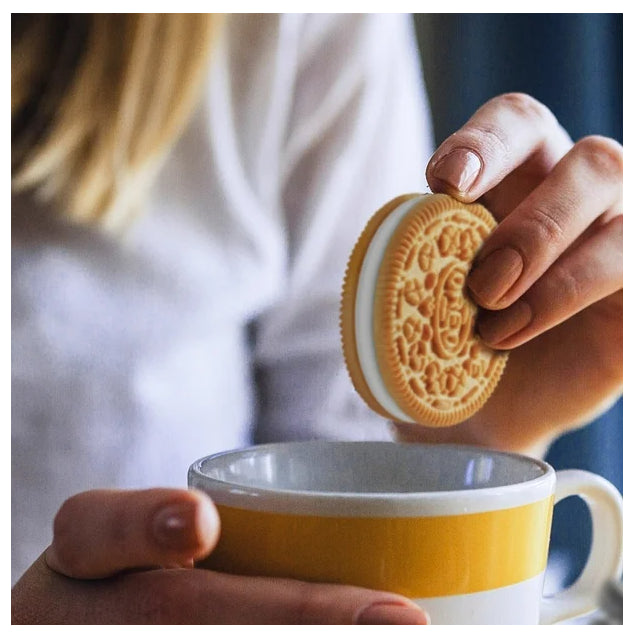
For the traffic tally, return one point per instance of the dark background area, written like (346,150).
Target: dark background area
(573,64)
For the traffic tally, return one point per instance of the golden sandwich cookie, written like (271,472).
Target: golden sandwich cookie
(407,323)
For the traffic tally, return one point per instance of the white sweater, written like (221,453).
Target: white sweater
(213,322)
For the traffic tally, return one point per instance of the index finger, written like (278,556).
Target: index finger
(101,532)
(506,132)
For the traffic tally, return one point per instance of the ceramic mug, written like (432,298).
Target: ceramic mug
(463,531)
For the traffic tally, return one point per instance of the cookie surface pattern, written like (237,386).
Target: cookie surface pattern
(436,368)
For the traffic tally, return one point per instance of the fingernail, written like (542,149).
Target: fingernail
(174,527)
(459,169)
(497,326)
(392,614)
(493,276)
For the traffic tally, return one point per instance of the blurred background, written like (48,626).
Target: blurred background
(573,64)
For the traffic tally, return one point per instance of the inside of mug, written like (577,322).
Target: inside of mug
(370,467)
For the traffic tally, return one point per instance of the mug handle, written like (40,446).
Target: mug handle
(605,558)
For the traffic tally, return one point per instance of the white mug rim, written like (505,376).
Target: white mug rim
(372,504)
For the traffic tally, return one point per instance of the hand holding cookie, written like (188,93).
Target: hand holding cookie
(549,277)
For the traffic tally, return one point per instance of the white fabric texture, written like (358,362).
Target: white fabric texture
(213,322)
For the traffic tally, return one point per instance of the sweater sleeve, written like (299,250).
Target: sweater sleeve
(358,134)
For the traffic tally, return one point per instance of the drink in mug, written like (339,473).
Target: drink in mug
(463,531)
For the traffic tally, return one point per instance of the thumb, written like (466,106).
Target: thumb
(101,532)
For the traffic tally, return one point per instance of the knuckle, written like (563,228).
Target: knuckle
(486,138)
(545,225)
(566,285)
(491,140)
(605,155)
(311,607)
(526,106)
(492,137)
(305,604)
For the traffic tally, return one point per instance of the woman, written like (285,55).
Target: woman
(143,341)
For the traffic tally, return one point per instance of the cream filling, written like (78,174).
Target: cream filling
(364,309)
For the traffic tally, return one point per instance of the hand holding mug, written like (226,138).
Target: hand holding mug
(127,557)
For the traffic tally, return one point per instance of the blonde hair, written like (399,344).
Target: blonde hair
(97,101)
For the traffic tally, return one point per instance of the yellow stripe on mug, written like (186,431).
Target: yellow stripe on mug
(415,556)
